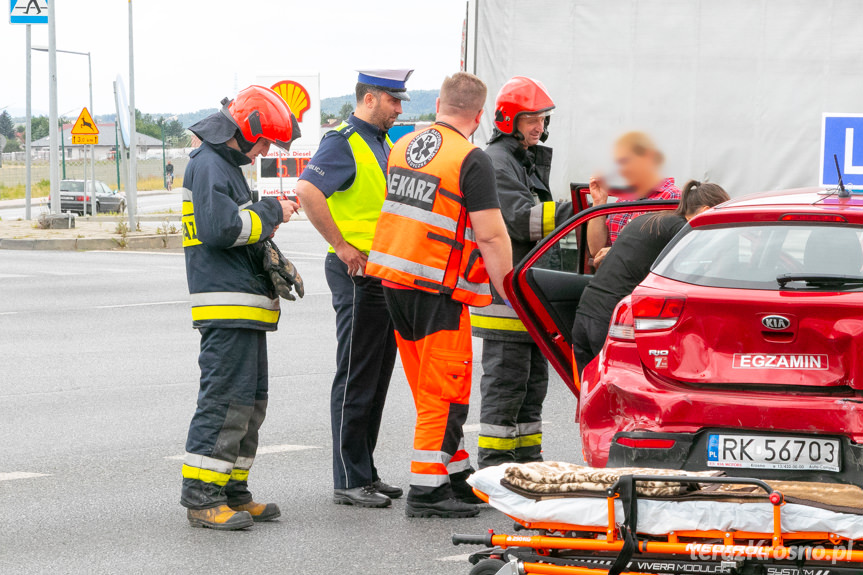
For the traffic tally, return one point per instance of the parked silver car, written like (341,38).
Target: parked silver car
(75,197)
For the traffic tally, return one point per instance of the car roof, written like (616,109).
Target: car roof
(769,206)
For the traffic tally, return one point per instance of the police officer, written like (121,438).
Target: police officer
(515,373)
(342,190)
(233,304)
(439,240)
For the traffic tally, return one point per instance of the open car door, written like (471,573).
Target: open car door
(546,299)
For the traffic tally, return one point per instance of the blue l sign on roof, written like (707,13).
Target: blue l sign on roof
(842,134)
(28,11)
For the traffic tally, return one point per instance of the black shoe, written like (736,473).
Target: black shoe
(366,496)
(464,493)
(447,509)
(390,491)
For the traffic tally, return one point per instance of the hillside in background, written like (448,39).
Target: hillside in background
(422,102)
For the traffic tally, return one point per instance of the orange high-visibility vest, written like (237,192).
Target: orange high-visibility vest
(424,238)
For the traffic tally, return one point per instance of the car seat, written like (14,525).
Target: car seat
(833,251)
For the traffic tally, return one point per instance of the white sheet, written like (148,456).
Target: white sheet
(662,517)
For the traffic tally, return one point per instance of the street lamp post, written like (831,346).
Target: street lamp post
(92,149)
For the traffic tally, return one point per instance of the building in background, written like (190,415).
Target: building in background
(104,149)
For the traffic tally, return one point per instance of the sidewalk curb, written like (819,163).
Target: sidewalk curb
(149,242)
(34,202)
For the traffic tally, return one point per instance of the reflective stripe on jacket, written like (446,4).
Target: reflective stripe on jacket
(424,239)
(530,213)
(221,230)
(357,209)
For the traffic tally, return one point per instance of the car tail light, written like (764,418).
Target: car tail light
(656,312)
(622,326)
(813,218)
(79,198)
(645,443)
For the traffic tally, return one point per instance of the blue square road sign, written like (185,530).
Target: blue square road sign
(842,134)
(28,11)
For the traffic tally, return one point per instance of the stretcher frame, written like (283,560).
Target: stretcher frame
(617,548)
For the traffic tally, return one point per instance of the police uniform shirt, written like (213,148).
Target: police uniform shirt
(332,169)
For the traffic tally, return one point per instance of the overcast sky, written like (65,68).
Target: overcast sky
(189,52)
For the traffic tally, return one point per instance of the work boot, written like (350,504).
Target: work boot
(464,493)
(259,511)
(390,491)
(446,509)
(366,496)
(222,518)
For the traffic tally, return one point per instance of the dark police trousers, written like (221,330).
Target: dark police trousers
(366,355)
(232,404)
(514,384)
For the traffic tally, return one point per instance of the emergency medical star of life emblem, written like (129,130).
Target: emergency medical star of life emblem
(423,148)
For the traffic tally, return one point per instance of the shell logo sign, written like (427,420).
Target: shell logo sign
(295,95)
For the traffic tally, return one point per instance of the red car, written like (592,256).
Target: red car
(741,351)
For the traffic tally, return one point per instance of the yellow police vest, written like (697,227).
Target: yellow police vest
(357,209)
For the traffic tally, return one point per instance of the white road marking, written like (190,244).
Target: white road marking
(455,558)
(307,254)
(265,450)
(8,312)
(474,427)
(10,276)
(142,304)
(12,475)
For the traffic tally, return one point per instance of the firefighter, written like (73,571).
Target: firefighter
(439,239)
(515,373)
(234,304)
(342,190)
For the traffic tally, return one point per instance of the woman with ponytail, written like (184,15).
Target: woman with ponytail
(629,261)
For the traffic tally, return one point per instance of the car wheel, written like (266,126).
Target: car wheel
(487,567)
(121,208)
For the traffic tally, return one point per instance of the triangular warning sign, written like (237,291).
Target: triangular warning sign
(85,125)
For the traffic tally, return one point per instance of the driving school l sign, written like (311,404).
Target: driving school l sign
(842,135)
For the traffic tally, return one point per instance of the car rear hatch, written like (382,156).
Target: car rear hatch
(759,306)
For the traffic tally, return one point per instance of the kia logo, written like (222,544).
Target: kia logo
(776,322)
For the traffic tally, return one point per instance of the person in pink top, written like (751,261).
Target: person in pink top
(639,162)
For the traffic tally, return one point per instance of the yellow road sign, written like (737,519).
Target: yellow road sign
(85,125)
(91,139)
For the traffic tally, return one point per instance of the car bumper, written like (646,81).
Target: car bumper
(618,397)
(689,453)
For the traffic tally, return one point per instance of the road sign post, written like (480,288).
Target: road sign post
(842,135)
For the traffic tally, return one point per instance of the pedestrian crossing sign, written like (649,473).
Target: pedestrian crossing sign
(85,125)
(28,11)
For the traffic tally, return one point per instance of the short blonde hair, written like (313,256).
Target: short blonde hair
(641,144)
(462,94)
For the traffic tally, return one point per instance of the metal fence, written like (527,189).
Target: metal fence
(150,175)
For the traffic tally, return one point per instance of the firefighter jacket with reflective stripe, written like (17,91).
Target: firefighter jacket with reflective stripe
(357,209)
(424,238)
(221,227)
(530,213)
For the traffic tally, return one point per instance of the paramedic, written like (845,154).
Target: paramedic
(440,238)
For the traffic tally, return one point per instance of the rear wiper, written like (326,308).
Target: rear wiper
(819,280)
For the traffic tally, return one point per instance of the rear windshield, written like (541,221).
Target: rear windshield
(754,256)
(72,186)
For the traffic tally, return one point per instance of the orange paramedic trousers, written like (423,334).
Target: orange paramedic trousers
(433,334)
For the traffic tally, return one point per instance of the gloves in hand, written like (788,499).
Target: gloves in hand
(282,272)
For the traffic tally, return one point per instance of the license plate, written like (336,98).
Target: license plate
(773,452)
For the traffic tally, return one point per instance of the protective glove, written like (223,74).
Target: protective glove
(282,272)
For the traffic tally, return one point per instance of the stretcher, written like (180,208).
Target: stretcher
(623,532)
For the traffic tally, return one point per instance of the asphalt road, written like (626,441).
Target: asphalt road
(97,384)
(146,205)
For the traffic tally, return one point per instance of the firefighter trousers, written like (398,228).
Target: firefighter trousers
(514,385)
(232,404)
(366,355)
(433,333)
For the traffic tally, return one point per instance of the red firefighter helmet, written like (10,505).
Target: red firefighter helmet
(261,113)
(520,95)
